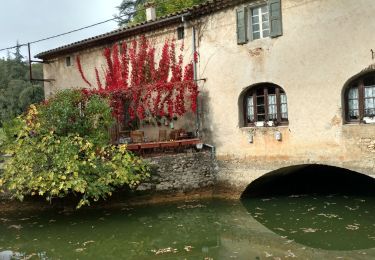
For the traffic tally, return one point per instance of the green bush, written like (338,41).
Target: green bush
(54,156)
(70,111)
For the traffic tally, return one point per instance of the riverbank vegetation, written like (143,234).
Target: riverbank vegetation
(60,148)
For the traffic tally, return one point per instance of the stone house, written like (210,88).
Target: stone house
(287,82)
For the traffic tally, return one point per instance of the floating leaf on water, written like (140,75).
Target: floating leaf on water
(328,215)
(88,242)
(18,227)
(188,248)
(290,254)
(352,227)
(164,250)
(27,257)
(309,230)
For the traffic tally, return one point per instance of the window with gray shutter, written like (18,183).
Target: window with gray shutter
(274,7)
(259,21)
(242,25)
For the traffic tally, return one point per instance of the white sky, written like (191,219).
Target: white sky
(30,20)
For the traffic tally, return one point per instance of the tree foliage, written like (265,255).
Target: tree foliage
(16,91)
(61,148)
(132,11)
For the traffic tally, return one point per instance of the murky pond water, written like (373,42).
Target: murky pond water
(303,227)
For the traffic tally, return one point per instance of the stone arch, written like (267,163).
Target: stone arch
(344,91)
(243,95)
(310,178)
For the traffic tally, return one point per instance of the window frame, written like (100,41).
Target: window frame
(250,30)
(252,92)
(360,85)
(68,61)
(180,33)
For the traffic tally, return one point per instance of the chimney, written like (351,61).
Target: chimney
(150,11)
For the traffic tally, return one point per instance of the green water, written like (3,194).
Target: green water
(300,227)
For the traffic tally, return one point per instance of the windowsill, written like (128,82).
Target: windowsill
(263,127)
(358,124)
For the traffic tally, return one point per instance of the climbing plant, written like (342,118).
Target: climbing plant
(154,89)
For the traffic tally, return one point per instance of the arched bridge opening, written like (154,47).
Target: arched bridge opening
(310,179)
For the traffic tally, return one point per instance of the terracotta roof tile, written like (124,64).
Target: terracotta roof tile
(193,12)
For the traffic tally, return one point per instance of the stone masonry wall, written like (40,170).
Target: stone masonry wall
(181,173)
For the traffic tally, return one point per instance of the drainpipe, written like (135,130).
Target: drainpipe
(197,125)
(194,49)
(213,150)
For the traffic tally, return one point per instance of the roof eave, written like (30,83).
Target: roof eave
(108,37)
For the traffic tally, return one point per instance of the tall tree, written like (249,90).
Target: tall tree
(132,11)
(16,92)
(127,10)
(18,57)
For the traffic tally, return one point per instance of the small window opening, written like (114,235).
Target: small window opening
(180,32)
(68,61)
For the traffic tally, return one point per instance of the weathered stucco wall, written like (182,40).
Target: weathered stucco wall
(324,44)
(69,77)
(321,48)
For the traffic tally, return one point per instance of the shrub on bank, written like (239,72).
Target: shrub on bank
(61,148)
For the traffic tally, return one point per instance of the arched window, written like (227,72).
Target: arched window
(360,100)
(265,105)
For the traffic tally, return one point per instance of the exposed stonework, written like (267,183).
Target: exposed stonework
(180,173)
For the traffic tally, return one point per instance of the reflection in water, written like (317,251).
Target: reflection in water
(327,222)
(194,230)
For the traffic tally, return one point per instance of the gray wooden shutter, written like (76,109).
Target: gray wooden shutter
(241,25)
(274,7)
